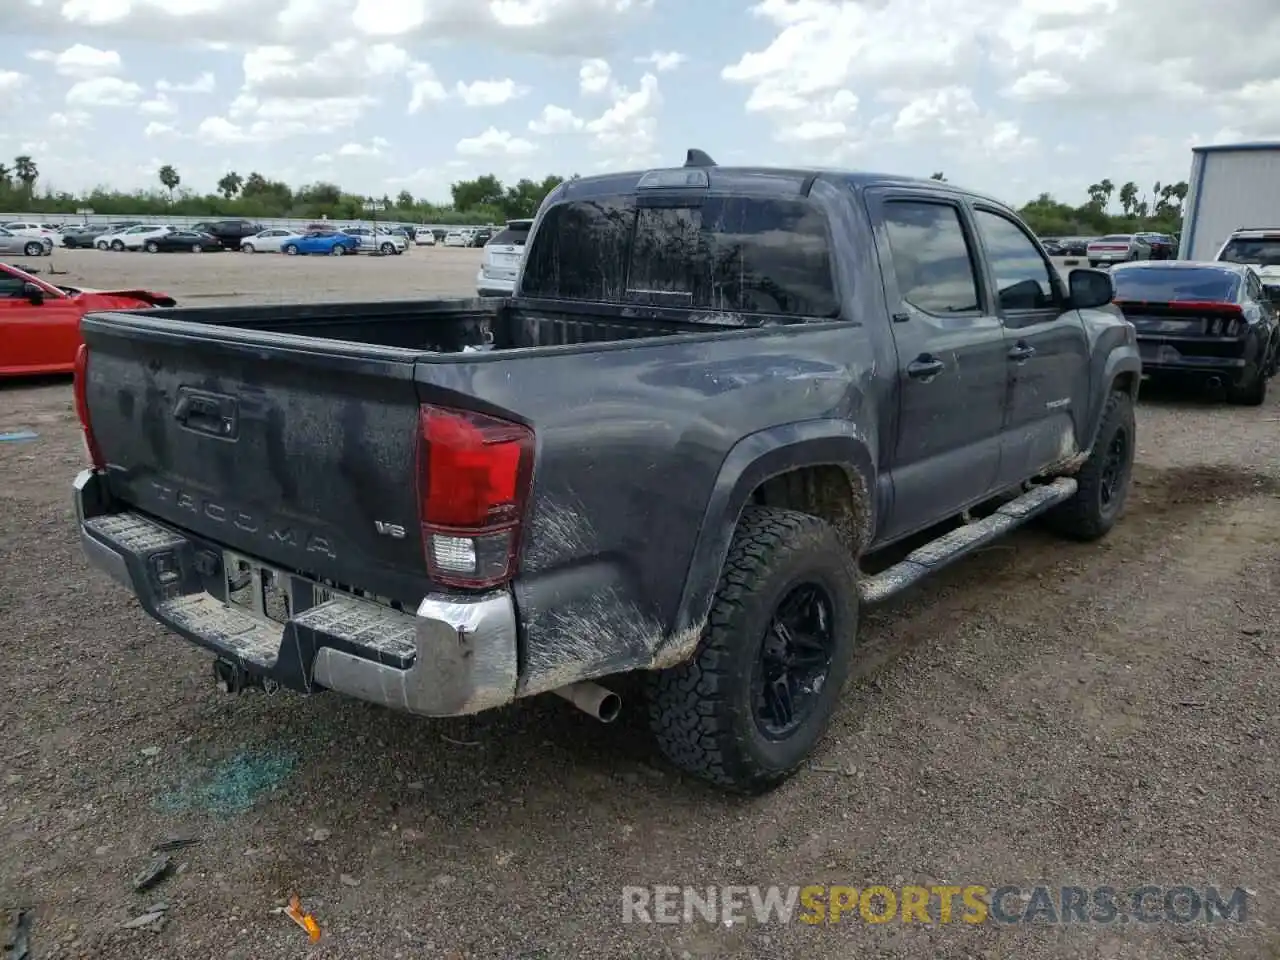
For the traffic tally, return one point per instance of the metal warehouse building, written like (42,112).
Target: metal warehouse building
(1231,186)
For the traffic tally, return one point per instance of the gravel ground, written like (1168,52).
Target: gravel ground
(1044,712)
(230,278)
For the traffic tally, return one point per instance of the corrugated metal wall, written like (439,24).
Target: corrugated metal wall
(1229,189)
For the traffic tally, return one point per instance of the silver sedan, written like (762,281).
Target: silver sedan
(15,244)
(268,241)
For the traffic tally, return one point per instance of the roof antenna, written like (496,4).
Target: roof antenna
(697,158)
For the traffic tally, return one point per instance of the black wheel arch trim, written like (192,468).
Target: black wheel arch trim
(749,463)
(1122,360)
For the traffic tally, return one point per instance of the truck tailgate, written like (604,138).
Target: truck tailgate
(294,450)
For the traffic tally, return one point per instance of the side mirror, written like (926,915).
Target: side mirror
(33,293)
(1089,288)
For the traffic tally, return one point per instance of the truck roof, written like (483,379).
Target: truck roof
(758,180)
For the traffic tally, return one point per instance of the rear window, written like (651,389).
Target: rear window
(1168,285)
(730,253)
(1115,238)
(1263,252)
(516,236)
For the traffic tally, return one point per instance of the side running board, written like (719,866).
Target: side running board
(936,554)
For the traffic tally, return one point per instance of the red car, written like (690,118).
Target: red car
(40,322)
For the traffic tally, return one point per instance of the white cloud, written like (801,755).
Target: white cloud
(160,106)
(70,120)
(490,93)
(494,142)
(11,82)
(555,119)
(374,148)
(205,83)
(425,88)
(628,130)
(157,129)
(104,92)
(81,62)
(1037,85)
(594,76)
(662,61)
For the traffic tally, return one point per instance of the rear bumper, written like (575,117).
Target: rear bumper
(451,656)
(1163,355)
(492,286)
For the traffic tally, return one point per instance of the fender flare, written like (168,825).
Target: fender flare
(751,461)
(1120,361)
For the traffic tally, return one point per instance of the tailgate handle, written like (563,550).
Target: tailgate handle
(209,413)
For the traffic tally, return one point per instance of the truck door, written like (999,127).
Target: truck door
(1048,352)
(952,371)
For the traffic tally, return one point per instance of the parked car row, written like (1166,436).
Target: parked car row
(1114,248)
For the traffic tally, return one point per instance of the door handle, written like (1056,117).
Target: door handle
(925,367)
(1021,352)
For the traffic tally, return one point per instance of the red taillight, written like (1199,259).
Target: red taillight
(474,473)
(82,407)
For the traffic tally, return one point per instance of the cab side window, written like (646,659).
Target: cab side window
(931,257)
(1023,281)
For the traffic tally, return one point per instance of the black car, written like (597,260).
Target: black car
(481,237)
(1162,245)
(1052,246)
(1209,321)
(1073,246)
(228,233)
(183,241)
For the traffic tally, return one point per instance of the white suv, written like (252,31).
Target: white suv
(1259,249)
(133,238)
(502,257)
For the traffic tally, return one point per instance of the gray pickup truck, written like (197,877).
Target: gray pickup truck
(678,451)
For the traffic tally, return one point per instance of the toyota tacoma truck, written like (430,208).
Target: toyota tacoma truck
(715,403)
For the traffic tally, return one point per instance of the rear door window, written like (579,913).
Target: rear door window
(754,255)
(932,260)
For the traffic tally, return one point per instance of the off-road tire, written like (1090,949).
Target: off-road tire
(701,711)
(1252,393)
(1085,517)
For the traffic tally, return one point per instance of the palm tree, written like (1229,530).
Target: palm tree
(25,169)
(230,184)
(169,177)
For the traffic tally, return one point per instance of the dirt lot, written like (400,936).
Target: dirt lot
(211,278)
(1042,713)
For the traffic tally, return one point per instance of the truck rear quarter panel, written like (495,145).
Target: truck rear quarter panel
(630,447)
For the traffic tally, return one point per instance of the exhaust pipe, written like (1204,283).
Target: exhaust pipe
(1213,383)
(603,704)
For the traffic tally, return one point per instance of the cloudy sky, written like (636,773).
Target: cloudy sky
(1013,97)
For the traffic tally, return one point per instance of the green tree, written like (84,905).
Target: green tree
(485,191)
(1129,198)
(404,200)
(26,172)
(230,184)
(169,179)
(6,177)
(938,176)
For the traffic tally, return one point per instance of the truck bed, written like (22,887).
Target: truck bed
(450,325)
